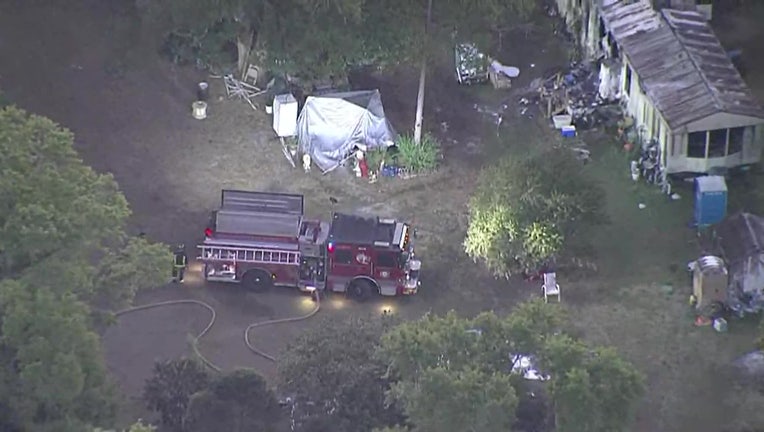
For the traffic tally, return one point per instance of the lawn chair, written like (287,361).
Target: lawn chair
(550,287)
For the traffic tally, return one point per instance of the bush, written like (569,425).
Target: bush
(418,158)
(375,157)
(524,212)
(212,48)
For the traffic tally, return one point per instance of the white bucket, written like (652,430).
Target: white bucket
(199,110)
(268,109)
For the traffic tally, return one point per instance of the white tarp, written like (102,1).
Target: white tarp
(330,126)
(509,71)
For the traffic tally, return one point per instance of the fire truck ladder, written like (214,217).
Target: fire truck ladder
(249,255)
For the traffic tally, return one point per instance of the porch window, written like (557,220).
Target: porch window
(736,140)
(717,143)
(627,81)
(721,142)
(696,144)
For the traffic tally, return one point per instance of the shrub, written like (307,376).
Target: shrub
(420,157)
(375,157)
(525,210)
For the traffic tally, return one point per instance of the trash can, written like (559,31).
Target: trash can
(203,91)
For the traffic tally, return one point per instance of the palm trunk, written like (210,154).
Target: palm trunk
(244,43)
(420,104)
(422,77)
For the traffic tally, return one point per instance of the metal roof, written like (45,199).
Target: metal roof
(681,64)
(360,230)
(741,236)
(249,223)
(262,202)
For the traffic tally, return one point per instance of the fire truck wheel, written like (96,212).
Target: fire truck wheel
(257,280)
(360,289)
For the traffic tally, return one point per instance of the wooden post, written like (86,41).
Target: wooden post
(422,77)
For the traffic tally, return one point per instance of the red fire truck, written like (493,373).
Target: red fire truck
(263,239)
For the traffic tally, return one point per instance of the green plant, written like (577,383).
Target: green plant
(418,157)
(375,157)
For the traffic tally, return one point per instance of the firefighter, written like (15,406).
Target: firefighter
(179,263)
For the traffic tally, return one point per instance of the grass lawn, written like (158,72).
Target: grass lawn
(637,302)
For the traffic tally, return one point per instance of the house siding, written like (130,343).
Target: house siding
(689,86)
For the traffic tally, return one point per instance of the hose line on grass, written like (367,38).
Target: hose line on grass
(195,340)
(277,321)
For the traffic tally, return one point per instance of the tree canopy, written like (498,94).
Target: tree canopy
(525,211)
(170,388)
(458,374)
(236,402)
(321,38)
(333,366)
(189,399)
(61,224)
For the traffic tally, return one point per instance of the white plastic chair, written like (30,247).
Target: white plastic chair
(550,287)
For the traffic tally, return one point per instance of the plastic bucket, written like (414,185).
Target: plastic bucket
(203,91)
(199,110)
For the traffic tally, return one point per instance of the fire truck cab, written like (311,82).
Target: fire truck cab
(371,255)
(262,239)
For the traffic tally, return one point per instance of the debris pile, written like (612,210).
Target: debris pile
(573,92)
(240,89)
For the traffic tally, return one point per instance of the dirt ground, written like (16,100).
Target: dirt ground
(130,112)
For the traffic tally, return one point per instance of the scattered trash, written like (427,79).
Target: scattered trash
(242,90)
(471,64)
(676,197)
(573,92)
(495,115)
(642,206)
(634,170)
(720,325)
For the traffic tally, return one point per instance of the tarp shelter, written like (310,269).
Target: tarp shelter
(330,126)
(741,240)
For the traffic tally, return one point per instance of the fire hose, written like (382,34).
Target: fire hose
(249,328)
(195,341)
(213,317)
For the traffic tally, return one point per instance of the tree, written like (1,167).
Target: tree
(54,378)
(453,373)
(336,34)
(596,378)
(436,401)
(58,220)
(333,365)
(237,402)
(525,211)
(170,388)
(57,214)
